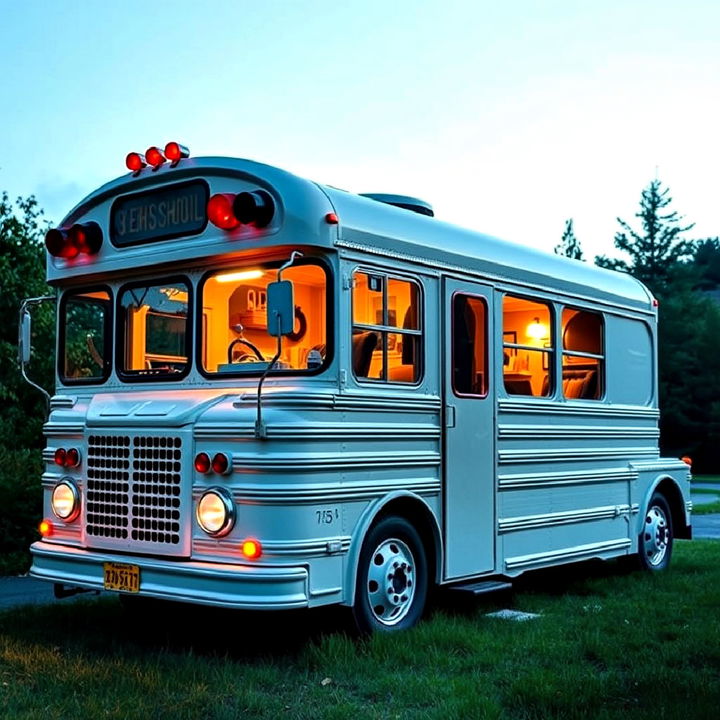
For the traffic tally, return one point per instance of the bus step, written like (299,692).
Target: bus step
(483,586)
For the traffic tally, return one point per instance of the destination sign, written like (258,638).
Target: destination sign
(159,214)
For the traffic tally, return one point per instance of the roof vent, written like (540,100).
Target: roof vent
(403,201)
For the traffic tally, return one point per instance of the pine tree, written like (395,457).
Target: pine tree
(569,245)
(658,248)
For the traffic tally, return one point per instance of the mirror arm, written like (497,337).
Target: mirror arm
(260,426)
(25,312)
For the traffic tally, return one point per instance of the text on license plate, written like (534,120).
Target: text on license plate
(118,576)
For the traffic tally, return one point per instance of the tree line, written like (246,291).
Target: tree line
(684,276)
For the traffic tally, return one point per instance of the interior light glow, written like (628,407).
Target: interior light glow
(251,549)
(537,330)
(45,528)
(240,275)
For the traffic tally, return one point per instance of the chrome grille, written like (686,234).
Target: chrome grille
(133,489)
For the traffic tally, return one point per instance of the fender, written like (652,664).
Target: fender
(649,493)
(361,530)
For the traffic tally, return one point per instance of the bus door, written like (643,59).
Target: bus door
(469,446)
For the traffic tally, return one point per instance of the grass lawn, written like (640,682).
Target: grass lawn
(608,644)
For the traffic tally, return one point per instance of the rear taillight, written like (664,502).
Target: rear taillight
(228,211)
(82,238)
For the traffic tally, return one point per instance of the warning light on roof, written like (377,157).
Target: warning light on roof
(175,152)
(154,157)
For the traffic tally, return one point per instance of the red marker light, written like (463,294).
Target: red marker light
(72,458)
(251,549)
(135,162)
(45,528)
(687,460)
(154,157)
(86,237)
(220,211)
(331,219)
(221,463)
(175,152)
(60,457)
(202,463)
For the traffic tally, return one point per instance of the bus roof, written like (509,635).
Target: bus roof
(364,224)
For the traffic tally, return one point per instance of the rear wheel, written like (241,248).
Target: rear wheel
(392,578)
(655,542)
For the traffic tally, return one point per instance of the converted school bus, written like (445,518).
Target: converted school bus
(433,406)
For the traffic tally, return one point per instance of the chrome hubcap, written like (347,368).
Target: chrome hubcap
(656,535)
(391,582)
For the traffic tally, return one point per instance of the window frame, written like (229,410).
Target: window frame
(107,328)
(318,260)
(385,330)
(133,376)
(602,358)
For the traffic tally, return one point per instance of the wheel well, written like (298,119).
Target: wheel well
(420,517)
(670,491)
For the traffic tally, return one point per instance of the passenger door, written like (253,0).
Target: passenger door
(469,447)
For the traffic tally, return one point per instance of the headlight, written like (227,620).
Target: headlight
(216,512)
(65,500)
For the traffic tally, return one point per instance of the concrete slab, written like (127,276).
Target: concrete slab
(706,527)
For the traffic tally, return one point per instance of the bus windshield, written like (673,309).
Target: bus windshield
(234,323)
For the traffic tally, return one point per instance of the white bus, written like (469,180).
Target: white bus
(413,404)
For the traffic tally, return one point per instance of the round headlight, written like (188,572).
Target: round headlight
(216,512)
(65,500)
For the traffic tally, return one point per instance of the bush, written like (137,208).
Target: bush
(20,507)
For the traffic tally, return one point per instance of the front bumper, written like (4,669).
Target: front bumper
(206,583)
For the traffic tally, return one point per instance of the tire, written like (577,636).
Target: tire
(655,542)
(392,578)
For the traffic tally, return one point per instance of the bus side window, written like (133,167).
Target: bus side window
(583,358)
(386,328)
(469,345)
(527,347)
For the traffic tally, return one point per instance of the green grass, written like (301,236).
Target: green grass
(706,479)
(608,644)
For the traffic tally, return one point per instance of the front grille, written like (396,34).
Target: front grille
(133,489)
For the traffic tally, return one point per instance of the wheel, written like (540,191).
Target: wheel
(655,542)
(392,579)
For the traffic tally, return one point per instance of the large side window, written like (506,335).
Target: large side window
(155,332)
(85,337)
(469,345)
(387,328)
(583,357)
(527,347)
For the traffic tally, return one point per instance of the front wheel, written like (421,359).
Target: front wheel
(392,579)
(655,542)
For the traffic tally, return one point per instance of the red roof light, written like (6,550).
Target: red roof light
(155,157)
(135,162)
(174,152)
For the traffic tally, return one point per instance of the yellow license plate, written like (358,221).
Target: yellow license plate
(118,576)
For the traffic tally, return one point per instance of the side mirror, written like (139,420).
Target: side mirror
(24,338)
(280,308)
